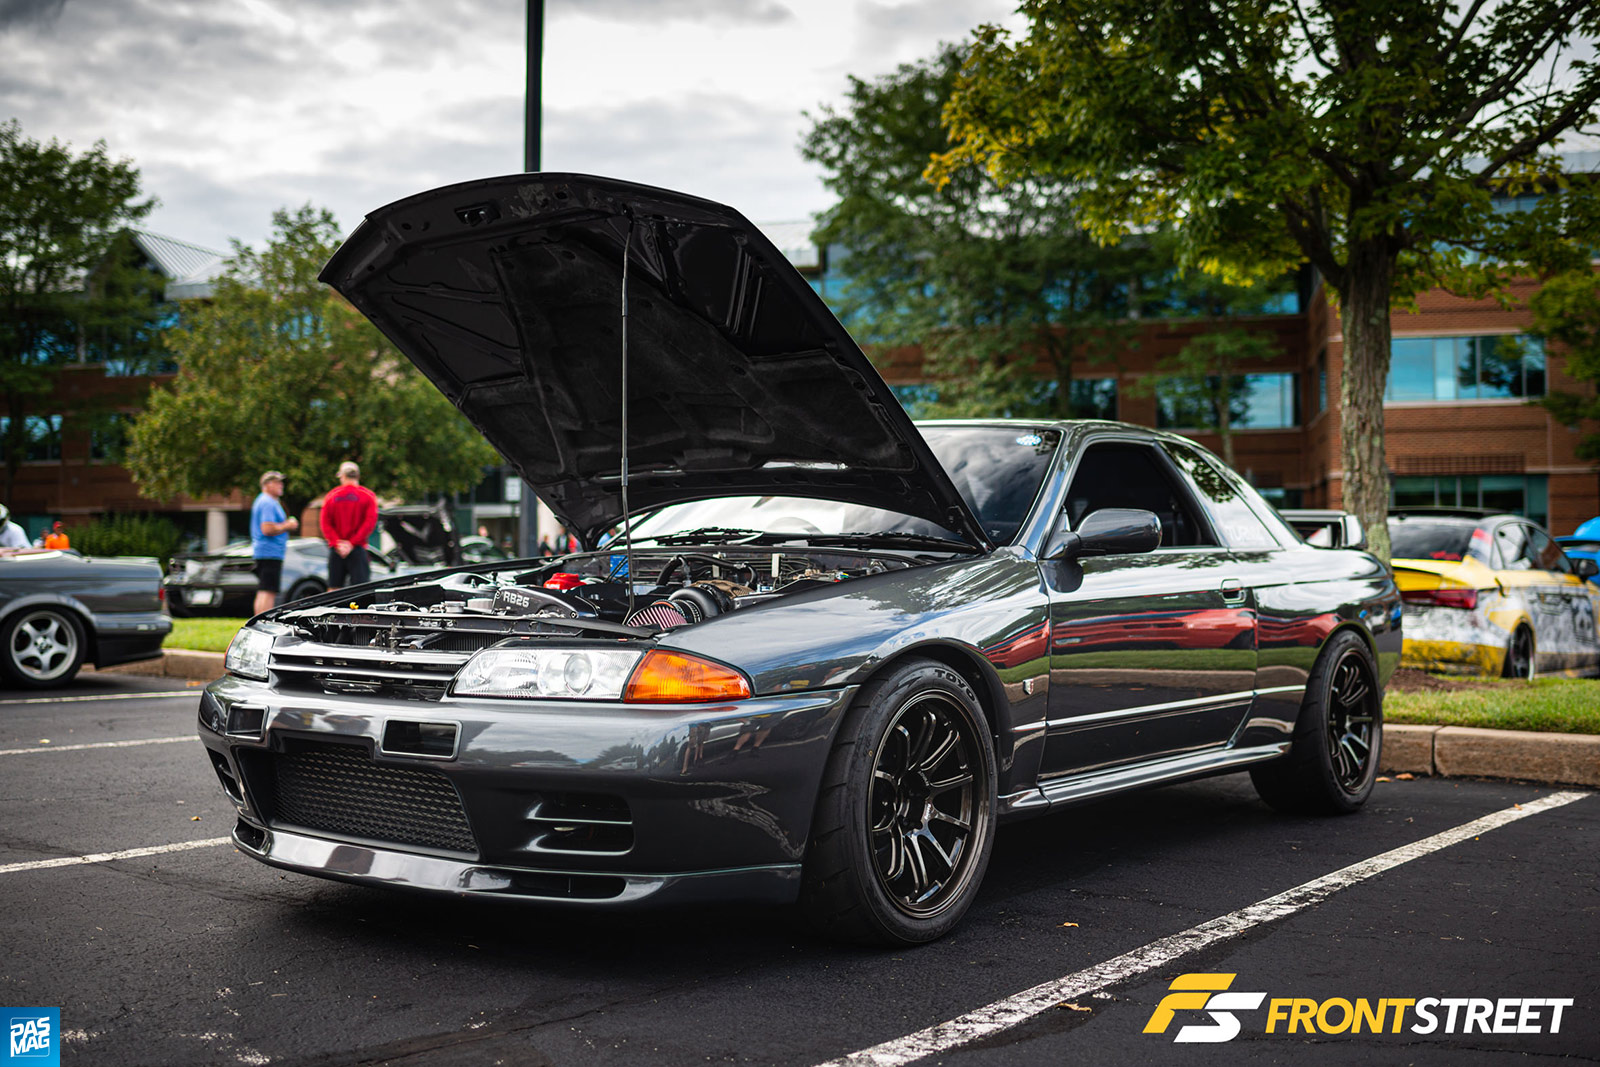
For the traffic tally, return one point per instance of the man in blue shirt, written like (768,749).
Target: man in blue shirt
(269,538)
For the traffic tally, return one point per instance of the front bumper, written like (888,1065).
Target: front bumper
(715,801)
(366,865)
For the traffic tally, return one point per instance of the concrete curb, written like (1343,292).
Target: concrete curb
(175,663)
(1470,752)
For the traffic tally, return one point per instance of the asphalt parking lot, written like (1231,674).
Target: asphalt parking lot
(185,952)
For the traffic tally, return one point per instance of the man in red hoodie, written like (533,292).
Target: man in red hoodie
(349,513)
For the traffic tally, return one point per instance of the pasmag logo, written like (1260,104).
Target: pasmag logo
(1422,1016)
(33,1036)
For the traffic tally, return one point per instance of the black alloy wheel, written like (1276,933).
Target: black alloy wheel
(1351,722)
(905,817)
(1333,758)
(1519,655)
(923,804)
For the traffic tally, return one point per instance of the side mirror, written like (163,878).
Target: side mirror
(1107,532)
(1584,567)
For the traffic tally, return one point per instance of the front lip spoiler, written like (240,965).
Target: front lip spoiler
(369,865)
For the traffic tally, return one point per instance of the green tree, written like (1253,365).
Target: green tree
(1202,386)
(1566,309)
(1366,137)
(67,284)
(278,371)
(1001,285)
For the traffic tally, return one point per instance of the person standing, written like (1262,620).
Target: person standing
(269,539)
(349,514)
(57,537)
(11,535)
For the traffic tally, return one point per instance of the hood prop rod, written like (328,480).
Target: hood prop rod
(627,515)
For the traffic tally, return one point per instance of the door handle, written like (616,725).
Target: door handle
(1232,591)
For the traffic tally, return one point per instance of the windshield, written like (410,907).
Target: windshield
(997,470)
(1411,539)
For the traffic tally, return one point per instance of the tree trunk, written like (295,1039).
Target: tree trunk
(1364,315)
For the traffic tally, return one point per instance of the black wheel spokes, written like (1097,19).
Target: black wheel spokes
(922,804)
(1351,714)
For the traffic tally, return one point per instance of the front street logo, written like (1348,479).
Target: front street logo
(1296,1015)
(1208,992)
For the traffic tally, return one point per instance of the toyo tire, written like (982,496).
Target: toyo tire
(905,818)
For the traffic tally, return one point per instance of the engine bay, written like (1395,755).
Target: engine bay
(585,592)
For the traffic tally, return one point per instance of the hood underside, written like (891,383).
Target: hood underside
(507,294)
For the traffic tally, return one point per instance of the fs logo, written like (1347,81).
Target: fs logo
(1207,992)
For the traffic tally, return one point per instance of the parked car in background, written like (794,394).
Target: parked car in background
(1492,594)
(224,583)
(60,610)
(1326,528)
(836,649)
(1584,543)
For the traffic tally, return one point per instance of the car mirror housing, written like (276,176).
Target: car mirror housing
(1585,568)
(1107,532)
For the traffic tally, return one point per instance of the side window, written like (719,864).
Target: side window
(1511,546)
(1546,554)
(1119,475)
(1222,495)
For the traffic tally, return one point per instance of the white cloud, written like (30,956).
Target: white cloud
(234,109)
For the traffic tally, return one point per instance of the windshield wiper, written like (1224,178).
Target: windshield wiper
(717,534)
(892,539)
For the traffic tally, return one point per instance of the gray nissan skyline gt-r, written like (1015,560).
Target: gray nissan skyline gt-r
(835,649)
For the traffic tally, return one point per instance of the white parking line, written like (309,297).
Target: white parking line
(1004,1014)
(108,696)
(97,744)
(105,857)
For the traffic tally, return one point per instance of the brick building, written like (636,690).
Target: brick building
(1460,426)
(70,471)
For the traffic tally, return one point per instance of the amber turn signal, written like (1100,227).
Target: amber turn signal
(675,678)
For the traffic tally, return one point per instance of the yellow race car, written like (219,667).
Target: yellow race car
(1492,594)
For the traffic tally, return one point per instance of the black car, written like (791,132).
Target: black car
(224,582)
(60,610)
(834,650)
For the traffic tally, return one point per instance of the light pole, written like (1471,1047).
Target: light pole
(527,532)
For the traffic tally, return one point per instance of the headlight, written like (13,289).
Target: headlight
(247,654)
(546,673)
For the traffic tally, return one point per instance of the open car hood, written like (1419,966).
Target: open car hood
(507,294)
(422,533)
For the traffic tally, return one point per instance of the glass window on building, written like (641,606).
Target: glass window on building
(1255,402)
(108,437)
(1515,494)
(1094,398)
(1487,367)
(1322,382)
(41,437)
(915,397)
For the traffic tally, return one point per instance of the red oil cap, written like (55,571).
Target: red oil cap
(563,580)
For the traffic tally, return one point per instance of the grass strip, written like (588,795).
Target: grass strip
(203,635)
(1545,705)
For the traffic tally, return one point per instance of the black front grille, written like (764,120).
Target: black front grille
(338,789)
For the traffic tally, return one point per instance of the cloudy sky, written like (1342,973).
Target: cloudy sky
(232,108)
